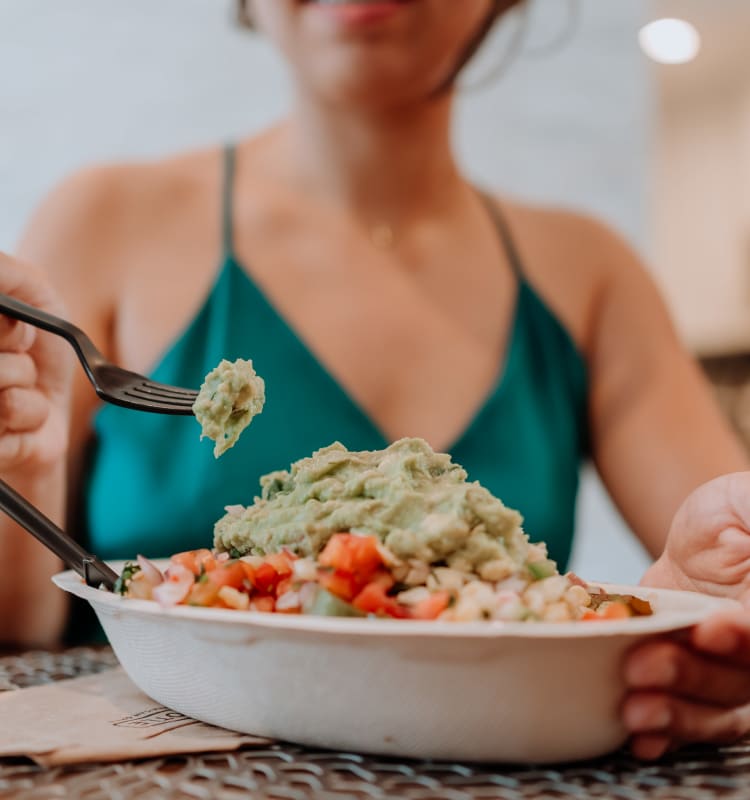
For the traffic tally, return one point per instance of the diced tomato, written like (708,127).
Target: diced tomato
(336,554)
(263,603)
(266,578)
(203,593)
(612,610)
(186,560)
(249,571)
(284,586)
(342,584)
(197,561)
(205,559)
(374,600)
(383,578)
(228,573)
(357,555)
(615,610)
(432,607)
(281,563)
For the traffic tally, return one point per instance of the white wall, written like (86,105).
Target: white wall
(701,225)
(92,80)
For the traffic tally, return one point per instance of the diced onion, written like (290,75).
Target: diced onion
(234,598)
(288,601)
(152,574)
(176,587)
(305,569)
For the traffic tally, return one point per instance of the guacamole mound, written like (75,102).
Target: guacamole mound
(231,395)
(418,502)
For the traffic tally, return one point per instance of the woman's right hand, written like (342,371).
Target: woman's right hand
(35,378)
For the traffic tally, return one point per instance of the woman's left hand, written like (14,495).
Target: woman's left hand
(697,688)
(692,691)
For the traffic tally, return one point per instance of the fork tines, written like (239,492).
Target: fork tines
(160,393)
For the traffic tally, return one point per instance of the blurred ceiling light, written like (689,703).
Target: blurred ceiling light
(670,41)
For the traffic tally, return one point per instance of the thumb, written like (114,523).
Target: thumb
(28,284)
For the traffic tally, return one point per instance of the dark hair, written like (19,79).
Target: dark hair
(499,7)
(244,17)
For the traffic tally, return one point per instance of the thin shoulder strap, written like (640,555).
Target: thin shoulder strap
(227,199)
(506,236)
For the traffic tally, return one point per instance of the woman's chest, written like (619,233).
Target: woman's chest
(526,455)
(417,343)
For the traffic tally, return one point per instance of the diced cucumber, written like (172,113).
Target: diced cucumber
(328,605)
(542,569)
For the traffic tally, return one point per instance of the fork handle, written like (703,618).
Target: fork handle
(87,353)
(89,567)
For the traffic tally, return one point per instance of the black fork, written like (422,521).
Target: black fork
(95,572)
(112,383)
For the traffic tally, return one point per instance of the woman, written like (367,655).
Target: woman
(380,295)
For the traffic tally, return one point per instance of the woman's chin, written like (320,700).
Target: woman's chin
(365,92)
(362,78)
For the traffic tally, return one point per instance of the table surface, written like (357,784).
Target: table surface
(288,772)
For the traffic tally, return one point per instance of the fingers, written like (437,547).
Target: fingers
(15,337)
(724,636)
(28,284)
(650,746)
(17,369)
(680,670)
(694,690)
(22,410)
(17,448)
(654,717)
(31,286)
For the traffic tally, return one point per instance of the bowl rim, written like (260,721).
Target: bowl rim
(661,622)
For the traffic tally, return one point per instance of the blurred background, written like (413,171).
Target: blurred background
(646,126)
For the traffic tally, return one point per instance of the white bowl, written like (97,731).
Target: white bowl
(481,691)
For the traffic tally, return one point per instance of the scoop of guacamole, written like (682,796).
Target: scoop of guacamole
(418,502)
(231,395)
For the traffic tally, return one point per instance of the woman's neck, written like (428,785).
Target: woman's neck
(390,167)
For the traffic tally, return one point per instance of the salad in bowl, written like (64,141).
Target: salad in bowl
(398,533)
(380,601)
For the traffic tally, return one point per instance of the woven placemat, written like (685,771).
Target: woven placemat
(288,772)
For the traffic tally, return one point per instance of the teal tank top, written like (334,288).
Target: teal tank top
(153,488)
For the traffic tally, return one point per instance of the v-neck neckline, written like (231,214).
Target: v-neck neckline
(498,387)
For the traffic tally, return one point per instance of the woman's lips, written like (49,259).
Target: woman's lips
(358,12)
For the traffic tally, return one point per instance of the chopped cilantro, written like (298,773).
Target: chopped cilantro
(128,571)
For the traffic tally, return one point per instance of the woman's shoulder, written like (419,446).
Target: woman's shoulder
(96,221)
(554,236)
(117,193)
(576,263)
